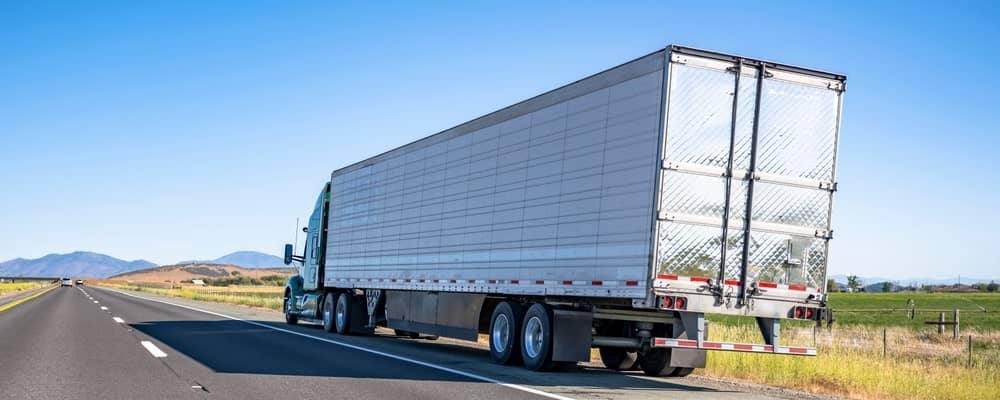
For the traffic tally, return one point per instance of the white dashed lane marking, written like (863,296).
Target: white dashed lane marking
(118,320)
(152,349)
(104,308)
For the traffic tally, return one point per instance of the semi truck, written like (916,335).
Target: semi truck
(616,212)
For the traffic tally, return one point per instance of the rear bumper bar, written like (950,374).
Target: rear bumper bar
(744,347)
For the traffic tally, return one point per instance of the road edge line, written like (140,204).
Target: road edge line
(15,303)
(359,348)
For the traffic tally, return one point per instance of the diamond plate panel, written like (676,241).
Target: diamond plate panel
(689,250)
(791,205)
(700,116)
(798,130)
(700,195)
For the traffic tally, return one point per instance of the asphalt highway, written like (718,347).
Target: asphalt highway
(92,343)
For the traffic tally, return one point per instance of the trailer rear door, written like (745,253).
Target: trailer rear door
(747,140)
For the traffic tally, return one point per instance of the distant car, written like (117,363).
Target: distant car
(79,281)
(67,282)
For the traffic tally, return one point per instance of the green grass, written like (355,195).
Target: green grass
(977,311)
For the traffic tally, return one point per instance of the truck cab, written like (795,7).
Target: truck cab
(302,294)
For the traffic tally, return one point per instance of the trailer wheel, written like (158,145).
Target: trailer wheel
(682,372)
(342,315)
(618,359)
(505,333)
(656,362)
(328,312)
(290,318)
(536,338)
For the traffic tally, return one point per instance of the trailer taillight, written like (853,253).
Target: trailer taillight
(810,312)
(680,303)
(668,302)
(799,311)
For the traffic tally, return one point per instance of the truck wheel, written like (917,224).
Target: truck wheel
(342,314)
(682,372)
(505,333)
(656,362)
(290,319)
(618,359)
(328,312)
(536,338)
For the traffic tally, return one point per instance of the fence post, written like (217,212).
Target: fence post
(940,323)
(970,351)
(955,333)
(885,342)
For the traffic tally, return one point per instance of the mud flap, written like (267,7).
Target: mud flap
(690,358)
(571,336)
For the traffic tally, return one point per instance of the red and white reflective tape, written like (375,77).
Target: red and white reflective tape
(504,282)
(745,347)
(733,282)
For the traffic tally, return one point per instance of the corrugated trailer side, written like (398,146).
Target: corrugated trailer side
(551,196)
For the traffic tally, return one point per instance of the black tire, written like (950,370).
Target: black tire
(681,372)
(327,312)
(536,338)
(400,332)
(290,319)
(413,335)
(618,359)
(342,314)
(431,337)
(510,315)
(656,362)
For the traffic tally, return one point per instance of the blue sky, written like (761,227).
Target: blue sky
(187,130)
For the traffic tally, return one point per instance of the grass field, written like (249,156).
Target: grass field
(255,296)
(919,363)
(8,287)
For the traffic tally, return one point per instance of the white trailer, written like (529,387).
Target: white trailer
(614,212)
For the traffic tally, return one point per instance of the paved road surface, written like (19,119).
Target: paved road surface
(90,343)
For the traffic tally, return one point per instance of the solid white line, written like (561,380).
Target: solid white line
(118,320)
(104,308)
(155,351)
(364,349)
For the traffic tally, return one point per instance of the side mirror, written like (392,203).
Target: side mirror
(288,254)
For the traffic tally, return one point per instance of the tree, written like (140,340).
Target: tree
(854,283)
(992,287)
(886,287)
(831,286)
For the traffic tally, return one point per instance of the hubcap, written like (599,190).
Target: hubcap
(327,315)
(501,333)
(341,321)
(533,336)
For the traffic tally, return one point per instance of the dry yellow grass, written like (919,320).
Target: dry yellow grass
(254,296)
(7,288)
(850,364)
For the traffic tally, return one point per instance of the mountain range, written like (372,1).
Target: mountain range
(95,265)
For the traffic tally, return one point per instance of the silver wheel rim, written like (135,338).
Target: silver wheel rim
(341,321)
(288,306)
(327,315)
(501,333)
(533,336)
